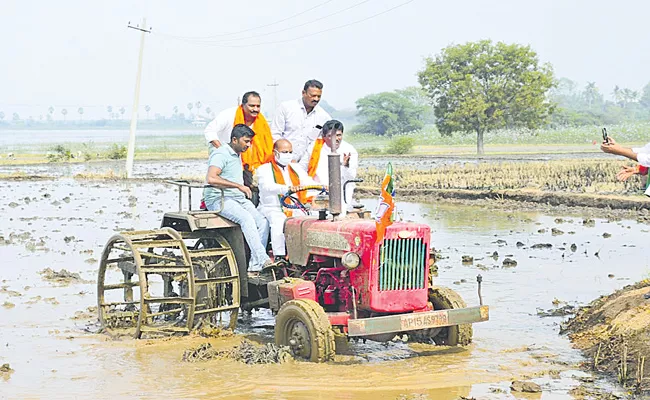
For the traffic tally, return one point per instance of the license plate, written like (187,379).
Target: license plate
(430,319)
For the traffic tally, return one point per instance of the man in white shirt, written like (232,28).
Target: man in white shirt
(316,164)
(297,120)
(274,179)
(218,130)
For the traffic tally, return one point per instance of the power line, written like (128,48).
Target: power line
(308,35)
(253,28)
(288,28)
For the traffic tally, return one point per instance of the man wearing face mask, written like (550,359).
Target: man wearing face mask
(275,179)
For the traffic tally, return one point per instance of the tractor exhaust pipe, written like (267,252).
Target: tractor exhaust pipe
(334,168)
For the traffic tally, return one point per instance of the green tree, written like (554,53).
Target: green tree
(208,110)
(2,115)
(592,95)
(122,111)
(482,86)
(109,110)
(147,108)
(15,117)
(198,107)
(80,110)
(50,111)
(64,112)
(389,113)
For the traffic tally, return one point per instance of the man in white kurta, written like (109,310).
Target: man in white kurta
(270,192)
(332,135)
(300,121)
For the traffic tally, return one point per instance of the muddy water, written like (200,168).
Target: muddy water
(47,336)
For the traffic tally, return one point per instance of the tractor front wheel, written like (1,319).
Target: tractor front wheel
(444,298)
(302,325)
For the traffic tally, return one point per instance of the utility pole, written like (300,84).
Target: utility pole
(136,100)
(274,85)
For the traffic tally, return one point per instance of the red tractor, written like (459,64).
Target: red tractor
(338,280)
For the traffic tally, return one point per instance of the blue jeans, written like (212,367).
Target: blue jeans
(254,227)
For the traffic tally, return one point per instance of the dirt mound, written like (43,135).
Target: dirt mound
(245,352)
(614,332)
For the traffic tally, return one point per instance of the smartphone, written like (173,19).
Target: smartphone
(605,138)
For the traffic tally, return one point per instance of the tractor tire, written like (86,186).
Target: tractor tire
(444,298)
(302,325)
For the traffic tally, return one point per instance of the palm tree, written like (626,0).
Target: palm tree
(15,117)
(64,112)
(122,111)
(147,108)
(198,107)
(175,109)
(50,110)
(617,95)
(80,110)
(2,115)
(189,107)
(109,109)
(208,110)
(591,93)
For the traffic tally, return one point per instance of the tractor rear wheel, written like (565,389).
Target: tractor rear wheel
(216,279)
(444,298)
(303,326)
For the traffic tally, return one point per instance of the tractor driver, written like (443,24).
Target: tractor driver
(225,171)
(274,179)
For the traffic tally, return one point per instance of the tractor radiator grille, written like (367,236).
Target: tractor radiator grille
(402,264)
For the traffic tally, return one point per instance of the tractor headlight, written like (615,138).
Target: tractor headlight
(350,260)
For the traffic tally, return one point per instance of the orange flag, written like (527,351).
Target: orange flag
(384,211)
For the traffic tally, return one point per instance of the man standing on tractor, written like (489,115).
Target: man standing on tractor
(225,171)
(299,121)
(248,113)
(330,141)
(275,179)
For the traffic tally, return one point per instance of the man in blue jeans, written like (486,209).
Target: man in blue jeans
(225,171)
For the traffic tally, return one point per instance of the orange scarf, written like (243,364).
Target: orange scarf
(261,150)
(278,177)
(315,157)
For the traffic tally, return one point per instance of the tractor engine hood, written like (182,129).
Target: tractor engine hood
(393,274)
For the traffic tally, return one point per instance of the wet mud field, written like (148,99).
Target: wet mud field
(535,265)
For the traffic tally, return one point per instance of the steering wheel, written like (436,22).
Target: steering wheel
(296,204)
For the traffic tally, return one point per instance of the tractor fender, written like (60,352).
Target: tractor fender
(286,289)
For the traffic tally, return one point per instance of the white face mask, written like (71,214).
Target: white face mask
(283,158)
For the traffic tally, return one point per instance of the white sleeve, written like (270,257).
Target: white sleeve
(644,149)
(643,159)
(210,131)
(278,123)
(305,157)
(266,183)
(348,173)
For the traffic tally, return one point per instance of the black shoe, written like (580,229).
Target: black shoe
(647,296)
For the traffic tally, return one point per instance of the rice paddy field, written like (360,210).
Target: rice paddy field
(32,146)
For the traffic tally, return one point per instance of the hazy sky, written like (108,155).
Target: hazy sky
(79,53)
